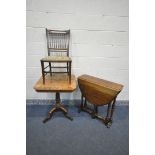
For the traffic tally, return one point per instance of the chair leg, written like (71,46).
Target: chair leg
(43,75)
(68,68)
(50,68)
(70,72)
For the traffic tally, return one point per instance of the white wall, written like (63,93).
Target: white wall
(99,39)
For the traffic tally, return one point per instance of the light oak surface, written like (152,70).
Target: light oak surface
(56,83)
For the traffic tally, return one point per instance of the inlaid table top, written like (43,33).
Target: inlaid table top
(56,83)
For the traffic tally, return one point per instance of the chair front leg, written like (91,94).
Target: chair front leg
(70,72)
(68,68)
(43,74)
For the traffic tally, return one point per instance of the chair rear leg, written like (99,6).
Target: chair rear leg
(50,68)
(70,72)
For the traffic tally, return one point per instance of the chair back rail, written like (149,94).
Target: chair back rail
(58,42)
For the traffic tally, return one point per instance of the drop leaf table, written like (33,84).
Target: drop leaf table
(98,92)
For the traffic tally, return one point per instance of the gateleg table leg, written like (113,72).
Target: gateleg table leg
(94,112)
(81,105)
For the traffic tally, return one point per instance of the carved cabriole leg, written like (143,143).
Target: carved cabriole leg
(63,109)
(43,75)
(47,118)
(58,107)
(67,116)
(50,114)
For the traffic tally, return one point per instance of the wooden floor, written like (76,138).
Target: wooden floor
(56,83)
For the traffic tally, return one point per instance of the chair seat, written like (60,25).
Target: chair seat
(57,59)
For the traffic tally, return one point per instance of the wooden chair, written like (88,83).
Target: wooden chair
(58,52)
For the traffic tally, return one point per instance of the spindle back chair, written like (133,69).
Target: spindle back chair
(58,52)
(58,42)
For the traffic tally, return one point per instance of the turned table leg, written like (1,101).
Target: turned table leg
(81,105)
(94,113)
(110,112)
(107,120)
